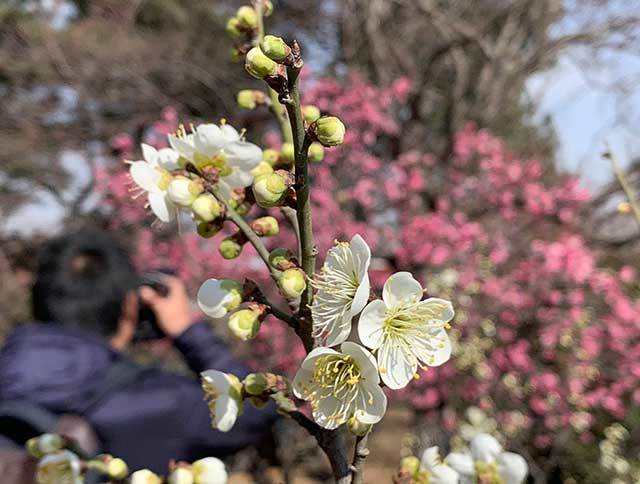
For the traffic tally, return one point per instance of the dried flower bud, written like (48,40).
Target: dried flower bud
(275,48)
(280,257)
(288,152)
(229,248)
(145,476)
(259,65)
(247,17)
(207,208)
(263,168)
(328,130)
(292,282)
(265,226)
(209,229)
(310,113)
(255,383)
(269,190)
(356,427)
(183,191)
(234,31)
(316,152)
(245,323)
(270,156)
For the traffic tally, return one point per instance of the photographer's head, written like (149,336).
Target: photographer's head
(85,279)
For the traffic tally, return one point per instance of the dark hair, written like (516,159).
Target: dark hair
(82,280)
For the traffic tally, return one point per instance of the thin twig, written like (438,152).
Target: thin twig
(624,183)
(360,454)
(290,214)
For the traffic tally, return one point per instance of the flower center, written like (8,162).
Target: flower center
(164,180)
(218,161)
(487,473)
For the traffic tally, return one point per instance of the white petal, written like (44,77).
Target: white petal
(145,176)
(339,332)
(208,139)
(363,359)
(218,379)
(226,413)
(512,468)
(440,309)
(243,155)
(485,448)
(328,407)
(396,368)
(238,178)
(462,463)
(371,323)
(361,254)
(161,207)
(443,474)
(209,471)
(168,159)
(211,298)
(430,458)
(310,359)
(150,154)
(230,133)
(372,404)
(401,287)
(361,296)
(433,350)
(303,384)
(184,146)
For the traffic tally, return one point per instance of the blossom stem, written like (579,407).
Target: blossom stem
(360,454)
(624,183)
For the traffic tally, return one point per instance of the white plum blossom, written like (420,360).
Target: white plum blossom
(209,471)
(223,393)
(437,471)
(343,290)
(145,476)
(61,467)
(222,148)
(180,475)
(341,385)
(153,176)
(217,297)
(488,461)
(406,330)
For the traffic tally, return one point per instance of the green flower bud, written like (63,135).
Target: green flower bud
(208,229)
(263,168)
(183,191)
(255,383)
(44,444)
(247,17)
(292,282)
(288,152)
(275,48)
(269,190)
(280,256)
(316,152)
(265,226)
(229,248)
(310,113)
(270,156)
(117,469)
(244,323)
(206,208)
(329,131)
(410,464)
(247,99)
(234,31)
(259,65)
(356,427)
(267,8)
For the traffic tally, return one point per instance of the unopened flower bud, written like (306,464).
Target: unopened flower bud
(234,31)
(265,226)
(270,156)
(183,191)
(280,257)
(269,190)
(288,152)
(208,229)
(410,465)
(259,65)
(44,444)
(61,466)
(255,383)
(206,207)
(357,428)
(310,113)
(316,152)
(117,469)
(245,323)
(275,48)
(145,476)
(263,168)
(250,98)
(624,207)
(229,248)
(292,282)
(328,130)
(209,471)
(180,475)
(267,8)
(247,17)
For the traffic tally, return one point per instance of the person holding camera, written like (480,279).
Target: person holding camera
(86,301)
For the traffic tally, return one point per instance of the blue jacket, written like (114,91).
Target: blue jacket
(157,417)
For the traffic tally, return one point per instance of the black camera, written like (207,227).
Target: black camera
(148,328)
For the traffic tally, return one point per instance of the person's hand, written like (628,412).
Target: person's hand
(172,311)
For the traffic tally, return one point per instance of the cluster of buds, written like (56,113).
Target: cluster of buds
(243,27)
(272,189)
